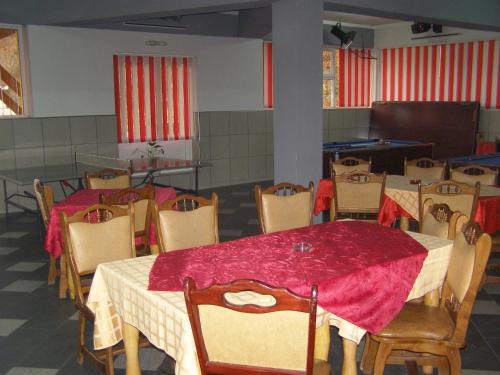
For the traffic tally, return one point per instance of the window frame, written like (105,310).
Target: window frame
(25,77)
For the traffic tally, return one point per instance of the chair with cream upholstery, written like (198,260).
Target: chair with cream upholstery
(44,195)
(440,221)
(107,179)
(93,236)
(425,168)
(273,335)
(439,331)
(349,164)
(458,196)
(471,174)
(357,195)
(140,199)
(186,221)
(284,206)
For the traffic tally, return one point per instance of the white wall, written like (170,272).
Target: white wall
(72,71)
(399,35)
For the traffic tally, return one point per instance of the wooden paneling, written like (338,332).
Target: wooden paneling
(451,126)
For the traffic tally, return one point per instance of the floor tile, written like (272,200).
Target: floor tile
(253,222)
(486,308)
(230,233)
(247,205)
(226,211)
(31,371)
(149,358)
(492,288)
(479,372)
(26,286)
(13,235)
(25,266)
(8,250)
(7,326)
(240,193)
(75,316)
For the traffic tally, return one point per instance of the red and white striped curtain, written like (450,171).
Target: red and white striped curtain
(153,98)
(468,71)
(268,74)
(354,76)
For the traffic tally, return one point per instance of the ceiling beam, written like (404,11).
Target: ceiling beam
(470,14)
(83,13)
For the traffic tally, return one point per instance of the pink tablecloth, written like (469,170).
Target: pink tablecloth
(364,272)
(79,201)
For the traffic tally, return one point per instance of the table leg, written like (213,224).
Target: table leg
(131,343)
(322,342)
(349,366)
(404,223)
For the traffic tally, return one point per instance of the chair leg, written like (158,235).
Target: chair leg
(443,366)
(411,367)
(81,338)
(52,271)
(454,360)
(109,365)
(369,353)
(384,350)
(63,279)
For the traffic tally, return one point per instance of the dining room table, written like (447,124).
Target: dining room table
(78,201)
(364,273)
(401,201)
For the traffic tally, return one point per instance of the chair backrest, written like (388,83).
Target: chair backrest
(349,164)
(440,221)
(471,174)
(357,192)
(275,336)
(471,250)
(458,196)
(284,206)
(97,235)
(139,197)
(186,221)
(107,179)
(425,168)
(44,195)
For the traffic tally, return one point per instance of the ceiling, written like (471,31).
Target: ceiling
(358,19)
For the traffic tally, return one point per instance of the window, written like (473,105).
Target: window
(328,79)
(347,77)
(12,101)
(154,98)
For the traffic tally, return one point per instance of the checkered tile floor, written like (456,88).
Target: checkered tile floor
(38,330)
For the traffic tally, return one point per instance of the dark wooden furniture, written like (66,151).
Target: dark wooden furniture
(386,155)
(241,339)
(451,126)
(439,331)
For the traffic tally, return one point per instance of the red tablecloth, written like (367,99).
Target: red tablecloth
(487,213)
(79,201)
(364,272)
(486,148)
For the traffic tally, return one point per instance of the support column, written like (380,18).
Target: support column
(297,82)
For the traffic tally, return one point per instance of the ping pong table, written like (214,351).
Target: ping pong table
(144,169)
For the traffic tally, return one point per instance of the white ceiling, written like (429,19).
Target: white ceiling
(357,19)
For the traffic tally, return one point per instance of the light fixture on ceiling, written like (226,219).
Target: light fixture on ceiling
(346,38)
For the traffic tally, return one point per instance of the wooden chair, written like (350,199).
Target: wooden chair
(284,206)
(357,195)
(439,331)
(440,221)
(140,199)
(425,168)
(44,195)
(96,235)
(471,174)
(186,221)
(458,196)
(350,164)
(108,179)
(231,337)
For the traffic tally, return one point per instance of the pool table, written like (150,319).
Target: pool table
(387,155)
(487,160)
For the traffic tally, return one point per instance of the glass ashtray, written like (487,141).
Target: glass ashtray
(302,247)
